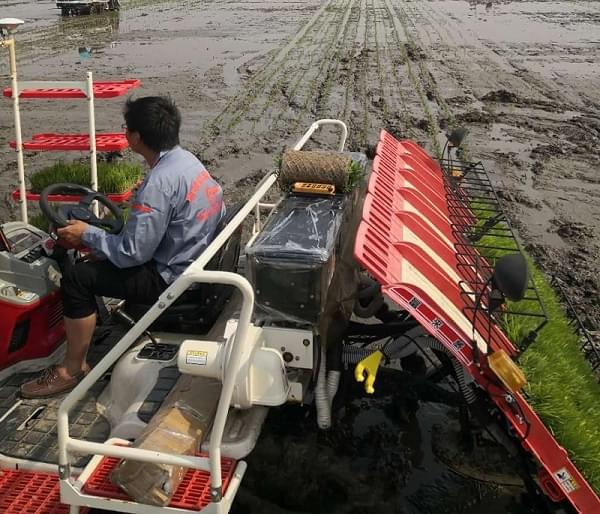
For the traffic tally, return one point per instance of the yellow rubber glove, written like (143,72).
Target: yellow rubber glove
(369,367)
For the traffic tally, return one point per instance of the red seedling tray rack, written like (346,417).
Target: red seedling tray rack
(101,90)
(108,142)
(115,197)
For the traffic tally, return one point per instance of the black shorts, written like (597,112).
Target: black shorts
(82,282)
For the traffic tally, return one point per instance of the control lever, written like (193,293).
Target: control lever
(120,313)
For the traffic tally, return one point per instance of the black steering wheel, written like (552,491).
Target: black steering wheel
(81,211)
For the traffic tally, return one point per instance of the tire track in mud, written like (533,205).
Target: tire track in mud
(425,76)
(305,77)
(417,85)
(380,49)
(296,67)
(351,73)
(358,93)
(237,107)
(295,70)
(349,60)
(317,84)
(479,59)
(361,90)
(295,75)
(296,83)
(301,88)
(324,107)
(394,71)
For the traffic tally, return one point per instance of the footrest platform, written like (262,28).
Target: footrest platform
(29,492)
(192,494)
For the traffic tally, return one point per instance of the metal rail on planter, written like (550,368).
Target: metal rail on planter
(590,348)
(195,273)
(482,229)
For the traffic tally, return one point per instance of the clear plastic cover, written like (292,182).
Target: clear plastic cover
(292,260)
(295,259)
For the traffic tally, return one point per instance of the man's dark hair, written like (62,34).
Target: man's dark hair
(157,120)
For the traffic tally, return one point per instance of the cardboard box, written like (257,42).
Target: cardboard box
(179,428)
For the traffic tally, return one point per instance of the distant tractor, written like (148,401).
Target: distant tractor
(76,7)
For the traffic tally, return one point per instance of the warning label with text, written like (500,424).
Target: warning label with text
(196,357)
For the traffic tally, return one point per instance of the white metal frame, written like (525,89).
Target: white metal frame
(195,273)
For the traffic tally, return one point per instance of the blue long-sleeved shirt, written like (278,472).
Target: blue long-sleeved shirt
(172,218)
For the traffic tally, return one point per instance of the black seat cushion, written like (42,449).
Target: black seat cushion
(198,308)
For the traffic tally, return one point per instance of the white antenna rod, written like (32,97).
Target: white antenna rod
(10,26)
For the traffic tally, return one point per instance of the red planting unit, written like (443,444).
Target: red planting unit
(28,492)
(409,242)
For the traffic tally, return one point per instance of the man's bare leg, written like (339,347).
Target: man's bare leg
(61,379)
(79,336)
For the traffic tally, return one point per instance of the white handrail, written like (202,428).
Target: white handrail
(194,273)
(316,125)
(124,452)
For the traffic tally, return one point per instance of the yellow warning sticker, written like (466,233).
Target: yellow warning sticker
(196,357)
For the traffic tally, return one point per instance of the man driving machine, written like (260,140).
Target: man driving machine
(172,220)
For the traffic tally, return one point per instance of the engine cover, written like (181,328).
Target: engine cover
(30,308)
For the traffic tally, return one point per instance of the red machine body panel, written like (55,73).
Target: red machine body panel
(31,331)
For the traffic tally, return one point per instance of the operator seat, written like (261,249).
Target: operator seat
(197,309)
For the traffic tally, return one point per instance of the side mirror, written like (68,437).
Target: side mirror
(456,137)
(509,280)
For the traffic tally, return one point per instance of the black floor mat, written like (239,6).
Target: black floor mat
(166,380)
(29,430)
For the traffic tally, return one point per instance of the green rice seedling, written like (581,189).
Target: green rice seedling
(355,176)
(40,221)
(561,385)
(112,177)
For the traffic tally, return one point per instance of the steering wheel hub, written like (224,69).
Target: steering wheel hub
(79,213)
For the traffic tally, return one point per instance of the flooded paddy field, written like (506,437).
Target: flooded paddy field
(250,77)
